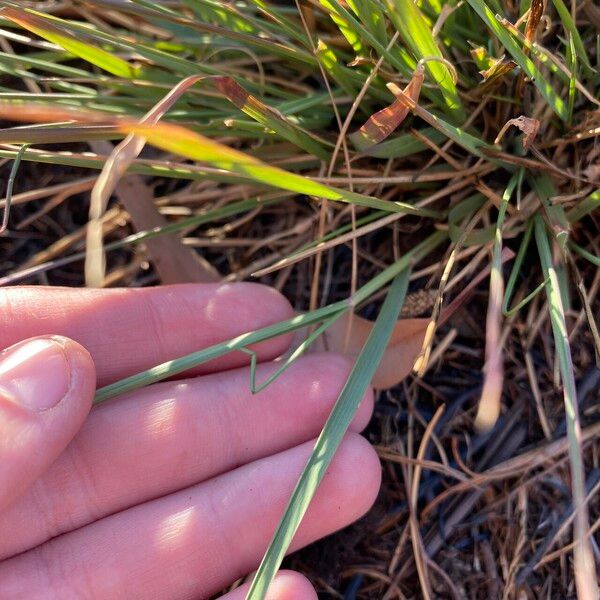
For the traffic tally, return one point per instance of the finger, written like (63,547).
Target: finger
(173,435)
(196,541)
(46,390)
(128,330)
(287,585)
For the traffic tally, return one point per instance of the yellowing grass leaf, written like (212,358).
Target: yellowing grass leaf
(37,23)
(192,145)
(498,69)
(184,142)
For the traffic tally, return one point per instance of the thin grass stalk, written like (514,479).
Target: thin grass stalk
(584,566)
(491,394)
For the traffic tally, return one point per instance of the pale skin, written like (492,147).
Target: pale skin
(172,491)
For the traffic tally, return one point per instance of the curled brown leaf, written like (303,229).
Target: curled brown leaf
(528,125)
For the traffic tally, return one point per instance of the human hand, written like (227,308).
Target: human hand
(172,491)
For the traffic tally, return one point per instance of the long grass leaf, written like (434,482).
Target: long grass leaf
(331,436)
(184,142)
(173,138)
(584,567)
(416,34)
(514,274)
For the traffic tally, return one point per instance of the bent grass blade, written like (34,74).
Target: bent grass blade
(173,367)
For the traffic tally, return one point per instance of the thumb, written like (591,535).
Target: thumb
(46,390)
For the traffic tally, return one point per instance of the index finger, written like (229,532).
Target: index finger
(129,330)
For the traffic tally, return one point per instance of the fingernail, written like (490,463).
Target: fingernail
(35,373)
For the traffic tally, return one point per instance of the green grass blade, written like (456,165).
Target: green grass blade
(294,54)
(331,436)
(585,576)
(294,355)
(173,367)
(571,28)
(456,217)
(572,63)
(512,278)
(9,187)
(340,73)
(416,33)
(405,144)
(139,167)
(584,207)
(469,142)
(497,248)
(42,65)
(371,15)
(595,260)
(555,213)
(352,37)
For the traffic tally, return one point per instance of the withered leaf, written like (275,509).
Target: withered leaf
(498,69)
(382,123)
(528,125)
(533,20)
(349,334)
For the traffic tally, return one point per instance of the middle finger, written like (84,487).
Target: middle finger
(170,436)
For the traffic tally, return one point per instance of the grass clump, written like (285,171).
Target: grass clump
(369,132)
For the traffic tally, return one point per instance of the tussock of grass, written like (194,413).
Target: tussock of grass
(480,131)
